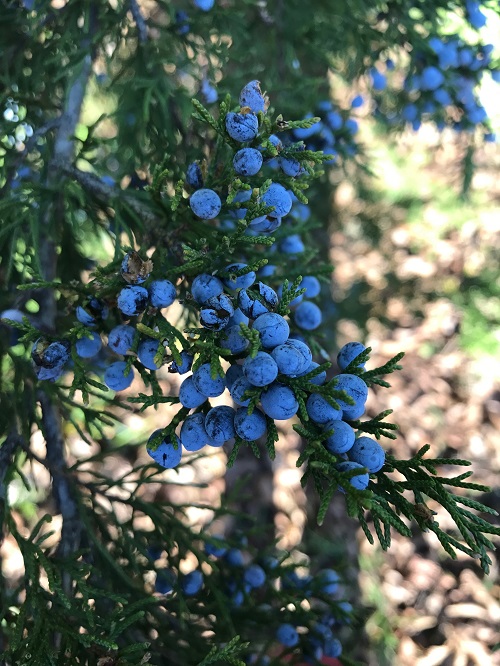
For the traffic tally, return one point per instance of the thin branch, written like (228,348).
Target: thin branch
(64,145)
(139,21)
(61,485)
(64,149)
(107,193)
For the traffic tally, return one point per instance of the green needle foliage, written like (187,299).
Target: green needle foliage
(105,108)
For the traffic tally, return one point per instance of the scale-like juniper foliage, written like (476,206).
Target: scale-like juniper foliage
(119,128)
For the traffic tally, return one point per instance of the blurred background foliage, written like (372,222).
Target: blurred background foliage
(410,224)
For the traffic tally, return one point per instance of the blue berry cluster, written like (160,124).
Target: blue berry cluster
(335,134)
(441,86)
(254,339)
(271,375)
(242,580)
(259,383)
(50,359)
(132,301)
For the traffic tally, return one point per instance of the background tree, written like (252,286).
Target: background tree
(103,154)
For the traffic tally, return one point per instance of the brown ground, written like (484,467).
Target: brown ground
(427,609)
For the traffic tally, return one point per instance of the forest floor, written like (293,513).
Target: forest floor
(428,281)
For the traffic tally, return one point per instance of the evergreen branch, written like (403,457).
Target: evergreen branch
(253,337)
(377,426)
(238,443)
(272,437)
(205,116)
(325,501)
(281,125)
(373,376)
(7,451)
(228,653)
(139,20)
(151,400)
(288,295)
(422,479)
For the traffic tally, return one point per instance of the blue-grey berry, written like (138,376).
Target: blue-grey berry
(186,363)
(252,97)
(329,581)
(291,359)
(277,196)
(293,303)
(204,5)
(290,166)
(356,388)
(116,378)
(241,197)
(209,92)
(168,454)
(206,384)
(368,452)
(332,648)
(238,318)
(360,481)
(247,162)
(165,581)
(193,434)
(132,300)
(121,338)
(205,286)
(279,402)
(189,396)
(320,410)
(219,424)
(292,244)
(348,353)
(205,204)
(287,635)
(192,582)
(242,127)
(257,300)
(267,271)
(194,176)
(312,286)
(233,373)
(273,329)
(265,224)
(261,370)
(240,282)
(317,379)
(49,358)
(146,352)
(234,340)
(87,347)
(214,548)
(216,312)
(306,132)
(342,438)
(48,374)
(254,575)
(162,293)
(308,316)
(97,309)
(249,426)
(238,389)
